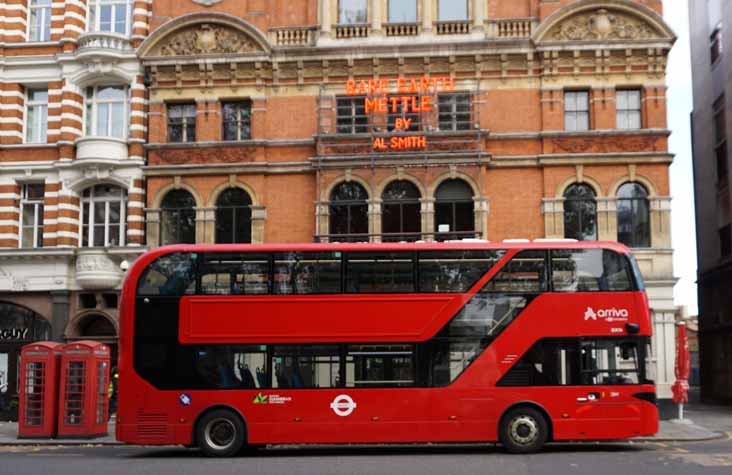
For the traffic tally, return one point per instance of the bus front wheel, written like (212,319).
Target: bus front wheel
(523,430)
(220,433)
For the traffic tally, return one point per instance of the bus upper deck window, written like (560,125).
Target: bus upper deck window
(525,273)
(590,270)
(173,274)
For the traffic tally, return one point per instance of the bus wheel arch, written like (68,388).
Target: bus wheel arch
(531,411)
(228,419)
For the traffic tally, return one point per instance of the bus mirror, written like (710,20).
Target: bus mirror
(632,328)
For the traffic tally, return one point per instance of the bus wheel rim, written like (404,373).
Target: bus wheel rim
(220,434)
(524,430)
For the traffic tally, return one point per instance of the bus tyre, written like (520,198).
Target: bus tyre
(523,430)
(220,433)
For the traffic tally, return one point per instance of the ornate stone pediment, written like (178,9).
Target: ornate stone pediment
(206,38)
(602,25)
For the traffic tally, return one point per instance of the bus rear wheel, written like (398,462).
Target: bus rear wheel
(523,430)
(220,433)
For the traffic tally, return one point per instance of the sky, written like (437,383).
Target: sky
(680,104)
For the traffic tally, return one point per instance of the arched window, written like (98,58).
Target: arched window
(233,217)
(103,216)
(580,213)
(107,111)
(178,218)
(349,212)
(634,220)
(400,212)
(454,218)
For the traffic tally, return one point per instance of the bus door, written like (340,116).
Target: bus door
(610,375)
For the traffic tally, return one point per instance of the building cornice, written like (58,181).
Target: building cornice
(241,143)
(228,168)
(584,134)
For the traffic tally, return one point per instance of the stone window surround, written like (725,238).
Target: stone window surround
(481,205)
(607,227)
(377,11)
(92,23)
(91,112)
(45,11)
(592,98)
(205,213)
(42,126)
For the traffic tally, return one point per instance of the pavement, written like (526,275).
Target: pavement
(701,423)
(9,436)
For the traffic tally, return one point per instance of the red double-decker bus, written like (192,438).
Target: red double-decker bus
(235,346)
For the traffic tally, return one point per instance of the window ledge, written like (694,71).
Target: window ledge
(36,253)
(29,44)
(221,143)
(396,133)
(30,145)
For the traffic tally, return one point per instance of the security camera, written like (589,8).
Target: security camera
(124,265)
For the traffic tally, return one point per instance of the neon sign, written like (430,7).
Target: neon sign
(400,96)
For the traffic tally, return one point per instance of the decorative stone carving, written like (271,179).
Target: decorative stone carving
(206,3)
(606,144)
(95,270)
(206,38)
(603,25)
(15,284)
(241,154)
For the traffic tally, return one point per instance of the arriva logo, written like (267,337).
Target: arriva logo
(590,314)
(608,314)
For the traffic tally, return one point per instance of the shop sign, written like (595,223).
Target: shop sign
(400,96)
(13,334)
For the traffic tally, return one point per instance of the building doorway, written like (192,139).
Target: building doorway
(18,327)
(95,326)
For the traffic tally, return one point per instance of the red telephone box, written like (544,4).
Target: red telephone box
(83,405)
(39,363)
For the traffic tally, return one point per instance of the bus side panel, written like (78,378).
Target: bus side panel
(329,318)
(553,315)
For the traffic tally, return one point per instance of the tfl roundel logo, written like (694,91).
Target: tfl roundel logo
(343,405)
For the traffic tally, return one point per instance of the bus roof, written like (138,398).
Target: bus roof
(398,246)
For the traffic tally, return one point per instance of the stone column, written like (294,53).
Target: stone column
(325,21)
(428,218)
(553,211)
(479,15)
(607,219)
(322,216)
(200,225)
(481,209)
(427,16)
(375,220)
(375,17)
(259,216)
(660,222)
(152,224)
(59,313)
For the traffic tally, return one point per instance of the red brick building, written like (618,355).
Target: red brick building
(291,121)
